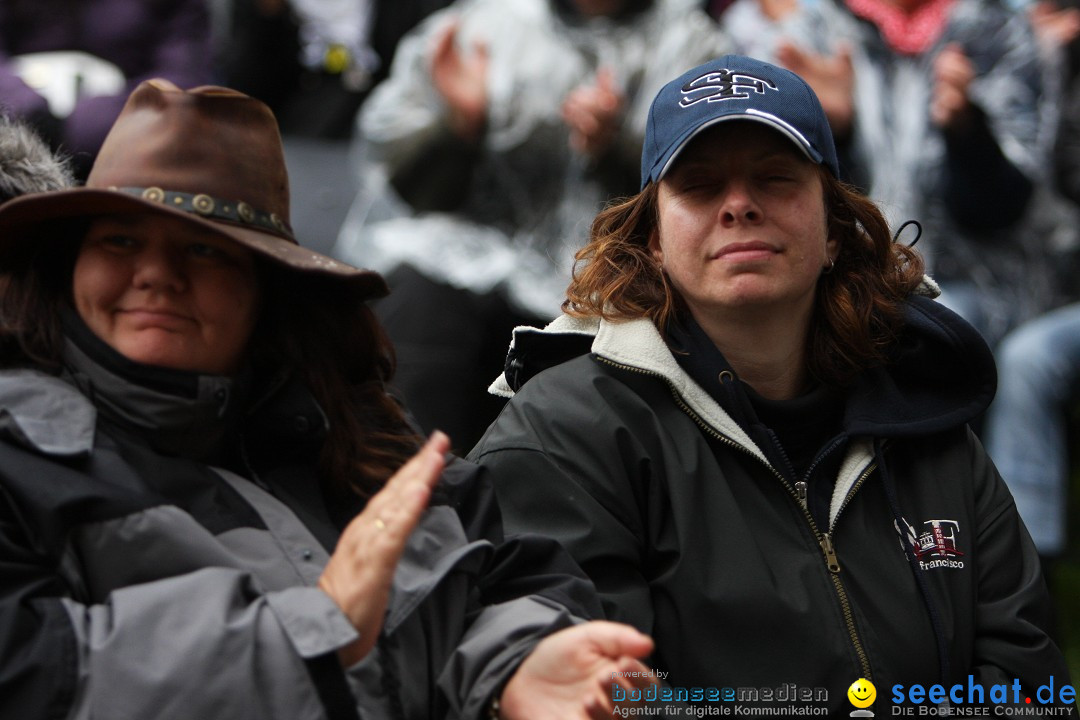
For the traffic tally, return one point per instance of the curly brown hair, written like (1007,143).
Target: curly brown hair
(310,326)
(858,311)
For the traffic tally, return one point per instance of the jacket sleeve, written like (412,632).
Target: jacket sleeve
(38,654)
(206,643)
(528,589)
(565,475)
(982,187)
(1004,151)
(1013,606)
(1067,148)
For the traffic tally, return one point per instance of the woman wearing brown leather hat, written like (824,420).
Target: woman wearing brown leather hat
(207,502)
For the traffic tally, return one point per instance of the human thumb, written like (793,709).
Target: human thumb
(617,639)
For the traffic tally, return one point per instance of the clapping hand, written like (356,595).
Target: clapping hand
(461,79)
(1054,26)
(831,77)
(593,112)
(950,103)
(359,573)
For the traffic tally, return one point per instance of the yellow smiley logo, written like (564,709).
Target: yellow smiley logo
(862,693)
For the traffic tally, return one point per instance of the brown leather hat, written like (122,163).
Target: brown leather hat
(210,155)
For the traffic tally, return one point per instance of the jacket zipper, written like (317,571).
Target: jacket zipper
(799,493)
(834,567)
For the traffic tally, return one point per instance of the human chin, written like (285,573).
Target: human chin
(744,286)
(158,348)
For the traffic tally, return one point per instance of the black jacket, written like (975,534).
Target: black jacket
(923,574)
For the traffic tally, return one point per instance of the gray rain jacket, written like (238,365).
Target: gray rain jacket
(923,574)
(510,212)
(137,584)
(980,193)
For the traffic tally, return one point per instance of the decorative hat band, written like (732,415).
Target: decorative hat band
(212,208)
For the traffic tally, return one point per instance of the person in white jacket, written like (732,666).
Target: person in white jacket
(503,128)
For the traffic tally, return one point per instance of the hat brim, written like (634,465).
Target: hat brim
(668,158)
(36,212)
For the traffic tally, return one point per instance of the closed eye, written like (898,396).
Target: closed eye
(116,241)
(205,251)
(217,251)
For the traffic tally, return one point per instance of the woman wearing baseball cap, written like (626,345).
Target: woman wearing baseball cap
(749,427)
(207,503)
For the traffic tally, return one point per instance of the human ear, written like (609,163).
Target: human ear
(654,247)
(832,252)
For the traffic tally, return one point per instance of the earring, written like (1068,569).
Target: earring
(829,268)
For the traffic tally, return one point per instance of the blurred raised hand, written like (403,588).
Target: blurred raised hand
(1055,27)
(950,102)
(460,77)
(832,78)
(593,112)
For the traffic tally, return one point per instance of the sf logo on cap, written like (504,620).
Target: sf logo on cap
(723,85)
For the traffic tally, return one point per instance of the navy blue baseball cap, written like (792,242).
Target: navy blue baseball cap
(734,87)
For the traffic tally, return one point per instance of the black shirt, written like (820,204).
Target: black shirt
(801,437)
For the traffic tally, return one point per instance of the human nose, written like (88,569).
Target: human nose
(159,268)
(738,205)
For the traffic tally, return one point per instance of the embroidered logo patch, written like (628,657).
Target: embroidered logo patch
(723,85)
(936,545)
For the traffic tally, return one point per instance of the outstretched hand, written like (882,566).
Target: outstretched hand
(358,575)
(569,675)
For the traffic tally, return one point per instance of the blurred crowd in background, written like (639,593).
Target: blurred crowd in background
(463,148)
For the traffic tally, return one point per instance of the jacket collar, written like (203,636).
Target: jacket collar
(176,412)
(941,375)
(638,345)
(58,415)
(634,344)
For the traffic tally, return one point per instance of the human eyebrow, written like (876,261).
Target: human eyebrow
(782,155)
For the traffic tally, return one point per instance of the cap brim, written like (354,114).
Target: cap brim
(751,115)
(37,212)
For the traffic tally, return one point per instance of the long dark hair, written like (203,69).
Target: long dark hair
(320,330)
(858,311)
(310,326)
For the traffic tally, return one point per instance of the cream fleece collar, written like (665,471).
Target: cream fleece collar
(637,344)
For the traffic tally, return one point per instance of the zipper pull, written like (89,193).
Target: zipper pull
(800,491)
(830,553)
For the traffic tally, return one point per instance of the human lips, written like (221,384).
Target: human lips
(744,251)
(155,317)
